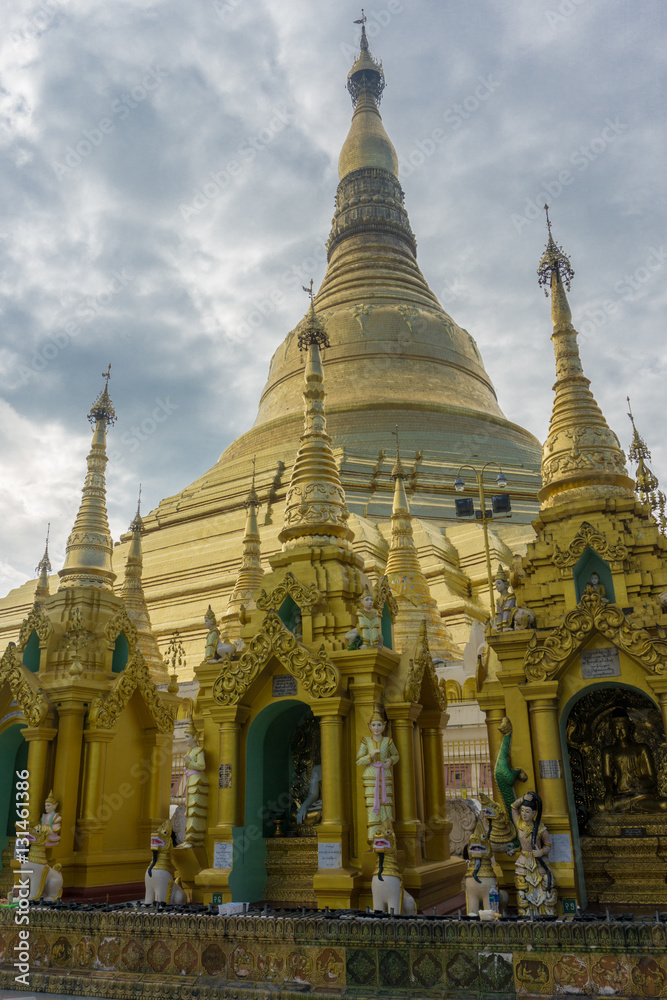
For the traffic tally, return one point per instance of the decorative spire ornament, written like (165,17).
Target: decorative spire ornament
(42,571)
(315,508)
(88,558)
(582,457)
(646,481)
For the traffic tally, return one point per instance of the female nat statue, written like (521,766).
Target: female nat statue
(197,791)
(376,754)
(535,884)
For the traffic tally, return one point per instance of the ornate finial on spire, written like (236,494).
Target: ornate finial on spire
(102,408)
(646,481)
(366,74)
(42,571)
(252,500)
(312,331)
(44,564)
(554,260)
(136,523)
(398,472)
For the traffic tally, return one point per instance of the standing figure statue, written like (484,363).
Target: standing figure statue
(213,637)
(369,627)
(376,754)
(52,819)
(505,602)
(196,791)
(535,884)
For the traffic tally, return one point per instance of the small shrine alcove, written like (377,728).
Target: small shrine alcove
(616,777)
(588,564)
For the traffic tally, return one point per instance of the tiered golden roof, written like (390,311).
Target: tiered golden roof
(43,569)
(88,559)
(132,594)
(251,573)
(582,457)
(408,583)
(647,484)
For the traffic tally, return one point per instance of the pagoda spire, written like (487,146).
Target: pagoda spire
(407,581)
(251,573)
(315,508)
(582,457)
(646,482)
(42,571)
(88,558)
(134,599)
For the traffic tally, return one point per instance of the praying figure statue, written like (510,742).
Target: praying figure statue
(628,771)
(376,754)
(369,628)
(52,819)
(196,791)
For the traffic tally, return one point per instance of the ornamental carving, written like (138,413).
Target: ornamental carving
(382,595)
(592,614)
(317,673)
(36,621)
(121,622)
(23,685)
(581,448)
(305,597)
(315,503)
(106,709)
(586,537)
(420,665)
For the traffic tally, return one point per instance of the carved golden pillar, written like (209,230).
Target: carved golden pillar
(403,716)
(431,723)
(658,685)
(542,698)
(38,739)
(67,769)
(334,826)
(228,786)
(493,707)
(91,822)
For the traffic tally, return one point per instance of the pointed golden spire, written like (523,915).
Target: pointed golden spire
(89,547)
(251,573)
(315,508)
(582,457)
(42,571)
(134,599)
(407,581)
(646,482)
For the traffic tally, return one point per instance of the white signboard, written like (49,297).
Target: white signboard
(561,848)
(222,854)
(600,663)
(329,856)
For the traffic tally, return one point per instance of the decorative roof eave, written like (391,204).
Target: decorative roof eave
(24,687)
(305,597)
(588,537)
(382,594)
(550,658)
(37,621)
(421,676)
(106,709)
(317,674)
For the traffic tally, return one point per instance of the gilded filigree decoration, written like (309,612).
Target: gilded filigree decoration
(106,709)
(24,687)
(382,595)
(580,448)
(586,537)
(421,664)
(121,622)
(316,672)
(593,614)
(37,621)
(305,597)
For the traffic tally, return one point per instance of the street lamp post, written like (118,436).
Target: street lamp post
(485,515)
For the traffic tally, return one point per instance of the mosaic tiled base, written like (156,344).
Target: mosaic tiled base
(160,956)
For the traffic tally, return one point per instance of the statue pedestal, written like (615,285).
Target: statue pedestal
(291,864)
(188,862)
(625,859)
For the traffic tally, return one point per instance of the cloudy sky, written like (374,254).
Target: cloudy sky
(169,170)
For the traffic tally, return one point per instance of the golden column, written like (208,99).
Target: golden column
(230,787)
(67,768)
(431,723)
(91,821)
(656,683)
(493,706)
(334,827)
(542,698)
(38,739)
(156,800)
(403,716)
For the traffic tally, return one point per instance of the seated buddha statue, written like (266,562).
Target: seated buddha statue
(628,771)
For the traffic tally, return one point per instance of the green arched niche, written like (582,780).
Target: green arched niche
(13,758)
(591,562)
(31,653)
(121,652)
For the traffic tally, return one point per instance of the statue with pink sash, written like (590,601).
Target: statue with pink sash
(376,754)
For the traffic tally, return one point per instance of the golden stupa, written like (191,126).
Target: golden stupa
(396,358)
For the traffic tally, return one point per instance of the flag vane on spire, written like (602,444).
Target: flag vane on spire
(554,261)
(312,331)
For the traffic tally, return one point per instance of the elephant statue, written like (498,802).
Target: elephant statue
(45,881)
(387,883)
(159,879)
